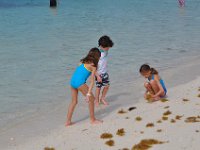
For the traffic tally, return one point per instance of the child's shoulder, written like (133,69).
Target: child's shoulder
(156,76)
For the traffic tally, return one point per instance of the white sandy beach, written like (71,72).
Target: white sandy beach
(177,133)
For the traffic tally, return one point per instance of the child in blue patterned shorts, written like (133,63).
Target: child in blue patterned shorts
(102,76)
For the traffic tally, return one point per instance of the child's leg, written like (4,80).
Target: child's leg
(84,91)
(74,94)
(154,86)
(156,89)
(103,96)
(97,93)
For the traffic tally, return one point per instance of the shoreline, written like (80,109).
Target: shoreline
(183,102)
(105,113)
(119,96)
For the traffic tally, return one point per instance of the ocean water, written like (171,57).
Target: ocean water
(41,46)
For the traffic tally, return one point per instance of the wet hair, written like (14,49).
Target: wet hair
(105,41)
(92,57)
(145,68)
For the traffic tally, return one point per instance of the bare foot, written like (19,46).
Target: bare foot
(69,124)
(104,102)
(96,121)
(156,99)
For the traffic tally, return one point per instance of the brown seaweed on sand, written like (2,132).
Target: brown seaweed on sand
(150,125)
(131,108)
(120,132)
(178,117)
(138,118)
(124,149)
(110,143)
(167,113)
(164,100)
(121,111)
(106,136)
(185,100)
(164,118)
(49,148)
(146,144)
(159,130)
(159,121)
(192,119)
(173,120)
(198,95)
(166,107)
(149,97)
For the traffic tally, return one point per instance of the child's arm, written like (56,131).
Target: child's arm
(91,80)
(98,77)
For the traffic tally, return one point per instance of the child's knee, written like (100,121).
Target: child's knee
(152,82)
(74,102)
(146,85)
(107,87)
(92,98)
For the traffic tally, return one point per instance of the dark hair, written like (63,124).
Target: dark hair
(105,41)
(92,57)
(145,68)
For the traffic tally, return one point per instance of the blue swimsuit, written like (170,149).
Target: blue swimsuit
(161,82)
(80,76)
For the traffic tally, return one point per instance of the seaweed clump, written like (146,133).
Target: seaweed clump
(164,100)
(166,107)
(159,130)
(150,125)
(167,113)
(49,148)
(110,143)
(178,117)
(121,111)
(120,132)
(173,120)
(106,136)
(146,144)
(138,118)
(131,108)
(164,118)
(159,121)
(192,119)
(186,100)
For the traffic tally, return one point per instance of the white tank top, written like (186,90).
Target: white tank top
(102,64)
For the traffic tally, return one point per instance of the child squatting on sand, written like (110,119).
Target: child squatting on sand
(78,83)
(102,76)
(155,87)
